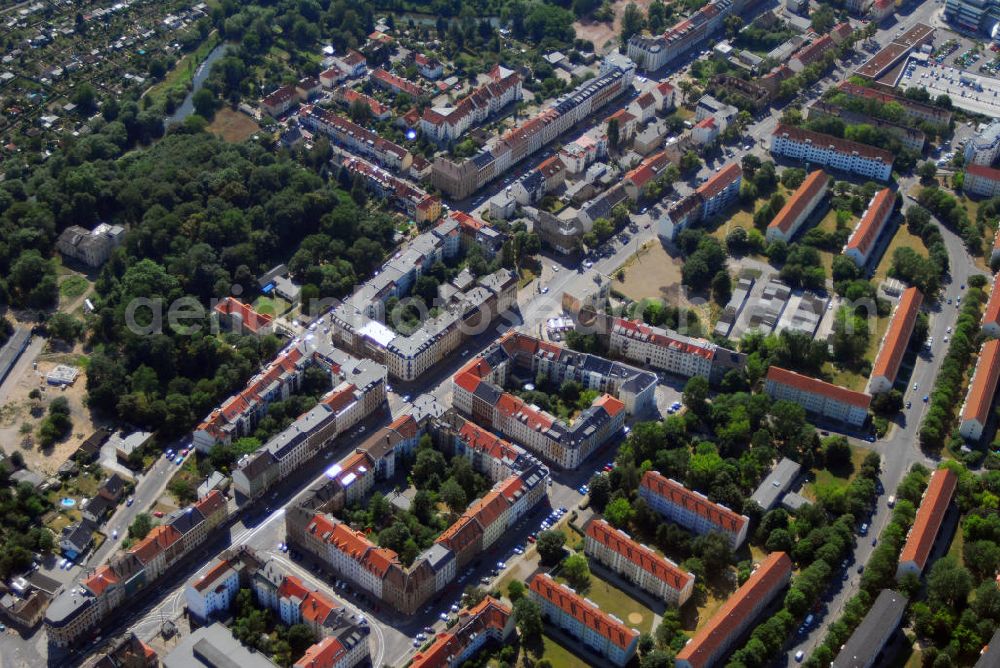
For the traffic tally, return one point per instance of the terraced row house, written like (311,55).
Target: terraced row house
(82,606)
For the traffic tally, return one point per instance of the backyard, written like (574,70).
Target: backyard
(614,601)
(827,481)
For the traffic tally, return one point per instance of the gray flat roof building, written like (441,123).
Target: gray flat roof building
(776,484)
(990,658)
(214,647)
(865,645)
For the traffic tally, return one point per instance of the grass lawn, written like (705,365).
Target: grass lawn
(73,286)
(558,656)
(272,306)
(612,600)
(828,479)
(232,126)
(180,77)
(902,239)
(955,549)
(853,380)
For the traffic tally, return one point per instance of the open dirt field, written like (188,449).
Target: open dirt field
(232,126)
(651,274)
(601,33)
(20,416)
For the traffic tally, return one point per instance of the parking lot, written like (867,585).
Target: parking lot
(976,93)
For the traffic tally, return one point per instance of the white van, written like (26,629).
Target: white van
(892,501)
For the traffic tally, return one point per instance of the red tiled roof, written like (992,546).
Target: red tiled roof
(477,438)
(816,386)
(292,587)
(982,171)
(316,607)
(803,196)
(251,319)
(158,540)
(871,223)
(280,96)
(583,610)
(855,90)
(462,533)
(102,578)
(812,52)
(337,400)
(704,646)
(490,614)
(642,556)
(984,384)
(211,504)
(925,527)
(992,314)
(898,335)
(488,509)
(350,96)
(397,83)
(706,122)
(213,574)
(610,404)
(327,653)
(405,425)
(720,181)
(648,169)
(802,136)
(639,330)
(722,517)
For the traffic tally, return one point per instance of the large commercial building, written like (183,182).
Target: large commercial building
(81,606)
(461,179)
(817,396)
(637,563)
(930,516)
(489,621)
(896,340)
(601,632)
(653,52)
(464,310)
(866,233)
(710,644)
(799,207)
(692,510)
(478,393)
(864,648)
(895,51)
(822,149)
(446,124)
(976,410)
(976,16)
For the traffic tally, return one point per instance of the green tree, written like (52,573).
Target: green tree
(204,103)
(453,495)
(576,569)
(516,590)
(65,327)
(527,618)
(948,582)
(619,512)
(550,546)
(632,22)
(141,526)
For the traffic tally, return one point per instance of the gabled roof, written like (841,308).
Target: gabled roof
(158,540)
(992,313)
(718,515)
(702,649)
(583,611)
(933,507)
(717,183)
(804,195)
(327,653)
(872,221)
(843,146)
(898,335)
(211,503)
(489,615)
(642,556)
(820,387)
(102,578)
(984,384)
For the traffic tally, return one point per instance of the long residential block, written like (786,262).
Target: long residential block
(982,180)
(446,124)
(709,645)
(601,632)
(711,197)
(817,396)
(866,233)
(991,316)
(896,340)
(637,563)
(927,524)
(355,138)
(822,149)
(799,207)
(692,510)
(864,648)
(982,391)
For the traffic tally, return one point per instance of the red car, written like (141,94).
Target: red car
(158,513)
(531,539)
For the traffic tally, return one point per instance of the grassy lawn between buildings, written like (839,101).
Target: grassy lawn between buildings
(826,481)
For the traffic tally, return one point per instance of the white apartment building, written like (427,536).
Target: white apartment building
(866,233)
(213,592)
(821,149)
(817,396)
(692,510)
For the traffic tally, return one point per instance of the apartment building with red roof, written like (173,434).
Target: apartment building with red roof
(161,547)
(488,621)
(799,207)
(347,96)
(716,194)
(811,53)
(713,641)
(641,565)
(428,66)
(327,653)
(818,396)
(446,124)
(644,173)
(280,100)
(692,510)
(822,149)
(976,410)
(601,632)
(332,76)
(355,138)
(930,515)
(866,233)
(397,84)
(982,180)
(235,316)
(914,111)
(991,316)
(896,340)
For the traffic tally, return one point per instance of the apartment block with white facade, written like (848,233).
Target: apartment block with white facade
(692,510)
(817,148)
(817,396)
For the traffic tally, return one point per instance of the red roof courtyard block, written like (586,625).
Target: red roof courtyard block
(713,641)
(925,527)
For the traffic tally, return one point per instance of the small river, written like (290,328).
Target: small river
(187,107)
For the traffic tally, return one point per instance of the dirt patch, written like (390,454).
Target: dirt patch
(634,618)
(600,34)
(651,274)
(232,126)
(20,415)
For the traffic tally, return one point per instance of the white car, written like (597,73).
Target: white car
(555,268)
